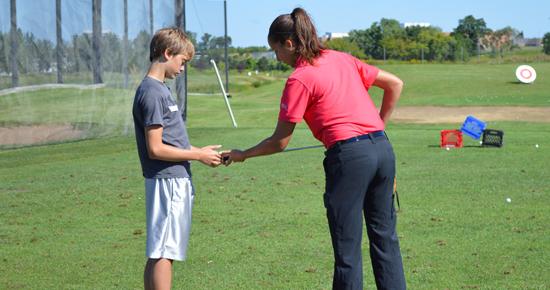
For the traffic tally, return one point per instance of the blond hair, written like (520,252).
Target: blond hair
(173,40)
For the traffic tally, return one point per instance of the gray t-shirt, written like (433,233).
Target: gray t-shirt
(153,105)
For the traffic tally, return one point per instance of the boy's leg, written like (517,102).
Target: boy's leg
(169,204)
(158,274)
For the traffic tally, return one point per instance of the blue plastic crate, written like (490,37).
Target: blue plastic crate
(473,127)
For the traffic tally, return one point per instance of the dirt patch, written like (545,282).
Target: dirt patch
(433,114)
(38,134)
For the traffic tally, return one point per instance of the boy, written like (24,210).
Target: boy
(164,152)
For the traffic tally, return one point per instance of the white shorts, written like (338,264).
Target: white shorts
(169,203)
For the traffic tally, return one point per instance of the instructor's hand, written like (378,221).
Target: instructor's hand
(209,156)
(234,155)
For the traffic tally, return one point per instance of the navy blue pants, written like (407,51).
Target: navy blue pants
(359,183)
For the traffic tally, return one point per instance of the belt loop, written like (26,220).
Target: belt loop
(371,137)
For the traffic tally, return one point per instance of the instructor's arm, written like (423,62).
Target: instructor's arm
(392,87)
(274,144)
(160,151)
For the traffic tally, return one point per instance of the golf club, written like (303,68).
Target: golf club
(302,148)
(286,150)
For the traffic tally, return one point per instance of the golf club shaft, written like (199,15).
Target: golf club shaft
(302,148)
(286,150)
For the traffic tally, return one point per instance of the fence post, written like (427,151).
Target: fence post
(125,46)
(181,81)
(96,42)
(14,44)
(59,42)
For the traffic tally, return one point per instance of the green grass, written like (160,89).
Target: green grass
(199,81)
(470,85)
(72,214)
(105,112)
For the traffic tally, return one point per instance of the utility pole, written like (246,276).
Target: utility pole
(97,67)
(478,49)
(125,46)
(181,81)
(59,42)
(225,48)
(151,31)
(14,44)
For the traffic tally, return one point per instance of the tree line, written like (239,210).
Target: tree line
(386,39)
(39,55)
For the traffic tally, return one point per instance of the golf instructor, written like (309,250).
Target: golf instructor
(329,90)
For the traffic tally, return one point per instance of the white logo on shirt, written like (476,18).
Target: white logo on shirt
(173,108)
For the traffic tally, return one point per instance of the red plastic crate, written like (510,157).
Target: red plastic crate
(451,138)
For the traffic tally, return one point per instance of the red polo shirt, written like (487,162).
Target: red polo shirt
(332,97)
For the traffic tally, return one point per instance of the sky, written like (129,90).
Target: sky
(248,20)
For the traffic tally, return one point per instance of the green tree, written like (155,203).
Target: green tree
(139,52)
(251,63)
(29,54)
(391,28)
(203,43)
(369,40)
(471,30)
(435,43)
(44,53)
(4,52)
(250,49)
(459,48)
(546,43)
(501,40)
(84,47)
(219,42)
(192,37)
(112,52)
(262,64)
(346,45)
(71,51)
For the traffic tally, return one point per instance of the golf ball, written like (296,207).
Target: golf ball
(508,200)
(536,145)
(447,148)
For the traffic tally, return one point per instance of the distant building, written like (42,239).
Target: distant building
(333,35)
(533,42)
(411,24)
(266,54)
(104,31)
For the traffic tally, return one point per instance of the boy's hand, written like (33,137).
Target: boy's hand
(209,156)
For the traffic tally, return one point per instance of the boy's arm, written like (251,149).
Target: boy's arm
(160,151)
